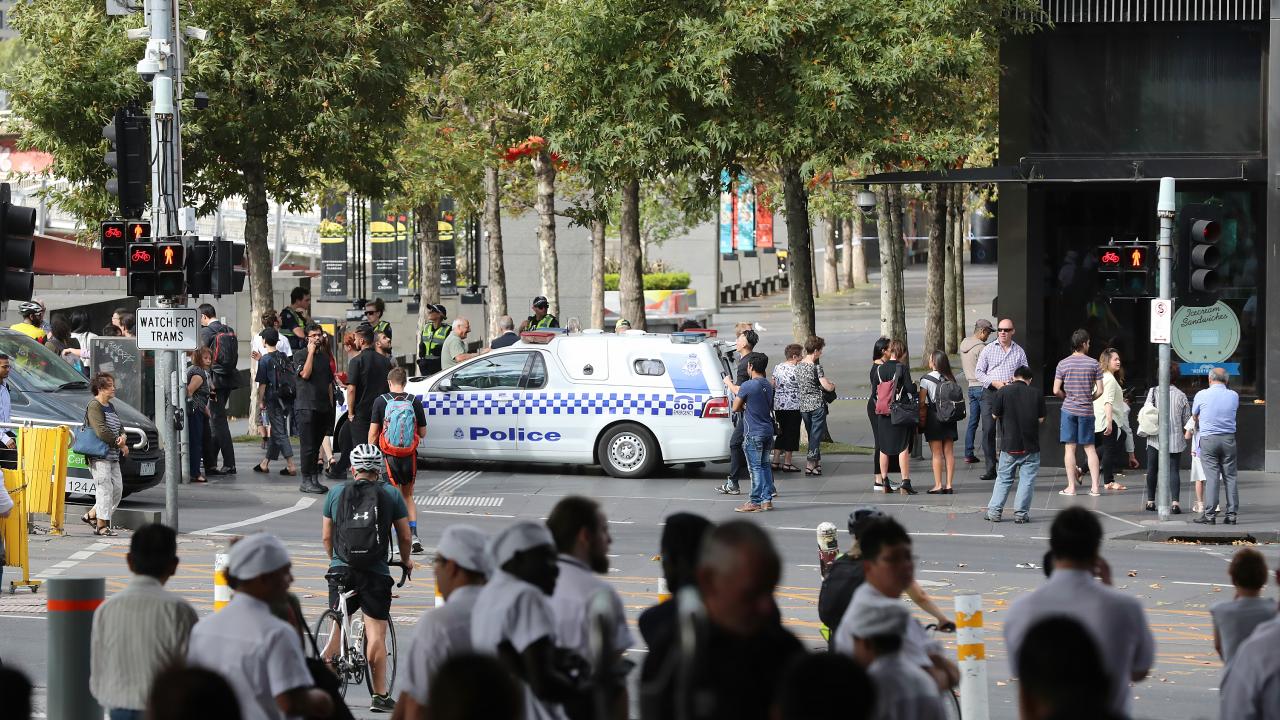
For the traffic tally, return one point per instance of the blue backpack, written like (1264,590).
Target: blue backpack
(399,436)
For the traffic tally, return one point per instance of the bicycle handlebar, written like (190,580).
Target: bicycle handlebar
(405,573)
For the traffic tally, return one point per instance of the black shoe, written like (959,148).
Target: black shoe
(382,704)
(906,488)
(1021,519)
(1151,507)
(1230,519)
(727,489)
(1204,519)
(989,475)
(260,469)
(416,546)
(215,471)
(1175,509)
(311,485)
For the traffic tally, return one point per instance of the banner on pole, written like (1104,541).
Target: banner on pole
(333,251)
(728,221)
(746,197)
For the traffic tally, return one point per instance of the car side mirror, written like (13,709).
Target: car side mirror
(444,386)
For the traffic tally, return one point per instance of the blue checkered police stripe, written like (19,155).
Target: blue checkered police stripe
(564,403)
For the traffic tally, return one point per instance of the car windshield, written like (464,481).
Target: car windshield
(36,367)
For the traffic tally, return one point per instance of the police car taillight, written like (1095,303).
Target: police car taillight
(716,408)
(537,337)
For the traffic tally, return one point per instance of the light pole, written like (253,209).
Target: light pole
(1165,209)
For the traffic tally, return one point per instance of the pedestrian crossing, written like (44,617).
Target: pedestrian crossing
(451,484)
(457,501)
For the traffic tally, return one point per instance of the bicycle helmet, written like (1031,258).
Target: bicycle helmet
(860,518)
(366,457)
(29,308)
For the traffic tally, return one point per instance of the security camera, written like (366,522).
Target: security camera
(866,201)
(195,33)
(147,68)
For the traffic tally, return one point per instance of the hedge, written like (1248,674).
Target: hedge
(653,281)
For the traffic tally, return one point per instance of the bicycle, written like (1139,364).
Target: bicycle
(351,664)
(950,696)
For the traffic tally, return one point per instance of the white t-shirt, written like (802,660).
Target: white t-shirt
(259,346)
(259,654)
(513,610)
(440,633)
(904,691)
(576,587)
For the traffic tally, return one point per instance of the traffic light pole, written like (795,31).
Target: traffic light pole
(1165,208)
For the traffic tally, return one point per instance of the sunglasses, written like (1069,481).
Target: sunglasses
(1006,329)
(370,312)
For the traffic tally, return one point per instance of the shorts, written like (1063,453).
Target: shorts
(402,471)
(1077,429)
(373,591)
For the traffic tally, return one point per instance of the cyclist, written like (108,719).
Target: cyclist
(358,519)
(32,321)
(397,424)
(890,569)
(903,689)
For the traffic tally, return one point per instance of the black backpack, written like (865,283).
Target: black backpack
(952,403)
(837,590)
(226,351)
(363,535)
(285,378)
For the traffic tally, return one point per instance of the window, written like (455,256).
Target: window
(488,373)
(537,377)
(649,367)
(36,368)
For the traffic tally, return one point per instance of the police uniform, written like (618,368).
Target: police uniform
(429,347)
(547,321)
(383,327)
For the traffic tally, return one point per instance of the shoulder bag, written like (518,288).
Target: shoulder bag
(828,396)
(86,441)
(905,407)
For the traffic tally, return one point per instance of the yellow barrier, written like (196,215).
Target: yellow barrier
(42,460)
(14,528)
(221,591)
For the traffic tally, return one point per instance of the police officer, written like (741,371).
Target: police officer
(432,340)
(540,318)
(373,312)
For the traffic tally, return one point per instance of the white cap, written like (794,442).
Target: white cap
(522,536)
(256,554)
(872,619)
(465,545)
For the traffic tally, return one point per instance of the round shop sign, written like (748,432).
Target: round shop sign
(1205,334)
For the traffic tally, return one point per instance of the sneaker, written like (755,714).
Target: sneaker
(1021,519)
(748,507)
(767,506)
(727,489)
(993,517)
(382,704)
(417,545)
(991,475)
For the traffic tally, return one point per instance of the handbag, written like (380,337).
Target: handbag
(828,396)
(1149,417)
(905,407)
(86,441)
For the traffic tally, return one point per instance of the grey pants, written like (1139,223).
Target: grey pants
(278,444)
(1218,457)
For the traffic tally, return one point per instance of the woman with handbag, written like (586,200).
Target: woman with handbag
(1149,427)
(102,441)
(897,413)
(812,382)
(198,408)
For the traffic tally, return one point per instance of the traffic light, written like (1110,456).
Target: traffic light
(111,234)
(1203,244)
(142,269)
(1135,271)
(1109,269)
(199,267)
(129,154)
(171,275)
(228,268)
(17,248)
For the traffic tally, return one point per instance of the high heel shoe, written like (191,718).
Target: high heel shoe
(906,488)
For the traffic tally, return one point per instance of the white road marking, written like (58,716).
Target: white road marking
(23,617)
(955,534)
(1113,517)
(1181,582)
(75,559)
(458,500)
(302,504)
(82,555)
(464,514)
(956,572)
(456,481)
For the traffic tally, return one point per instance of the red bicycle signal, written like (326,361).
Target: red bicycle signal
(141,255)
(1110,258)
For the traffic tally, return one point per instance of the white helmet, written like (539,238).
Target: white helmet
(29,308)
(366,457)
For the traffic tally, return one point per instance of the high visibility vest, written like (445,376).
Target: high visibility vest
(381,327)
(547,321)
(433,339)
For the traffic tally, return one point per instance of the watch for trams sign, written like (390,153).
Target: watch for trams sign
(1205,334)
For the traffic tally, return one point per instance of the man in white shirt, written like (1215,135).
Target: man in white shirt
(904,691)
(513,619)
(140,630)
(1251,685)
(461,566)
(6,507)
(259,654)
(581,532)
(1116,621)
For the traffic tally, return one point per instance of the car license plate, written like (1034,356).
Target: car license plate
(147,468)
(81,486)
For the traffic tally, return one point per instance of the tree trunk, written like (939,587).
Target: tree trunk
(846,257)
(830,262)
(799,251)
(544,173)
(631,279)
(493,231)
(597,273)
(949,277)
(859,254)
(961,220)
(429,251)
(892,318)
(934,318)
(258,256)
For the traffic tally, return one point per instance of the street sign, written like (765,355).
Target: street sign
(168,329)
(1161,321)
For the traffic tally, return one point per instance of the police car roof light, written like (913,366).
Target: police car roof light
(538,337)
(710,332)
(687,338)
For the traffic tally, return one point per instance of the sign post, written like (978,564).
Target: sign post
(1166,207)
(176,328)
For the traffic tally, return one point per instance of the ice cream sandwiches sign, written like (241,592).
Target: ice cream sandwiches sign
(1205,334)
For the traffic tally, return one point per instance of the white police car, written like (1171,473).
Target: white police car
(626,402)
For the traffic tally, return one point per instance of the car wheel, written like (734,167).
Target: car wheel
(628,451)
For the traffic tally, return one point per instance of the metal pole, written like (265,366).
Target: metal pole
(1165,209)
(70,611)
(971,654)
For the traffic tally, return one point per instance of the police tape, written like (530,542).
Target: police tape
(853,397)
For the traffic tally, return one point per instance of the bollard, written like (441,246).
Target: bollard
(221,590)
(664,593)
(971,654)
(70,606)
(439,599)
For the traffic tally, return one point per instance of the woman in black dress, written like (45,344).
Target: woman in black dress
(894,439)
(940,435)
(877,357)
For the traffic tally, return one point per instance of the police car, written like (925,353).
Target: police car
(627,402)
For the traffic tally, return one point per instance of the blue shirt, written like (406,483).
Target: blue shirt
(757,394)
(1216,407)
(4,402)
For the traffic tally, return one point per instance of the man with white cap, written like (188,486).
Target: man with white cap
(258,653)
(903,690)
(461,566)
(513,618)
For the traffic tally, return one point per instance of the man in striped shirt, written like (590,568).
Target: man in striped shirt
(995,367)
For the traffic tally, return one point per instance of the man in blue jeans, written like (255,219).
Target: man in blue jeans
(755,402)
(1019,408)
(1214,412)
(970,348)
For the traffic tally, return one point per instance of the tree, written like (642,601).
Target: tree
(950,339)
(859,276)
(935,318)
(297,91)
(846,258)
(830,260)
(893,320)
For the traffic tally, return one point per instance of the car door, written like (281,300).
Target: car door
(471,411)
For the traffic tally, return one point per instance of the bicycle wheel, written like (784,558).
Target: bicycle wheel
(329,629)
(390,650)
(951,704)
